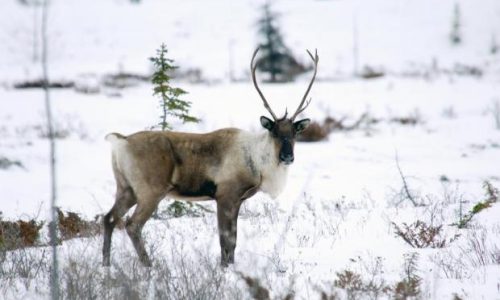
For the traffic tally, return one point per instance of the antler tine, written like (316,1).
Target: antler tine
(302,107)
(253,69)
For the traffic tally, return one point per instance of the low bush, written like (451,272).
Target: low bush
(19,234)
(409,286)
(421,235)
(71,225)
(492,195)
(6,163)
(313,133)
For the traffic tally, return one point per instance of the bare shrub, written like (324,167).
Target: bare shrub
(409,287)
(71,225)
(457,297)
(365,120)
(18,234)
(491,192)
(478,251)
(255,288)
(421,235)
(407,120)
(318,131)
(39,83)
(370,72)
(63,128)
(350,282)
(6,163)
(375,285)
(405,193)
(25,265)
(355,286)
(201,278)
(173,276)
(80,280)
(331,295)
(450,265)
(191,75)
(467,70)
(313,133)
(121,80)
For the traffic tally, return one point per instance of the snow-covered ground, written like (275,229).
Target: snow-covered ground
(343,194)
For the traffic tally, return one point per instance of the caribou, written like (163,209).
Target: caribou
(228,165)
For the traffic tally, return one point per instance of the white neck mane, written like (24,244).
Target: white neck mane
(261,149)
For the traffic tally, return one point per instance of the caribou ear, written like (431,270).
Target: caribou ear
(301,125)
(266,123)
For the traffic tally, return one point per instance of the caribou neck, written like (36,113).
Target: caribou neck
(261,158)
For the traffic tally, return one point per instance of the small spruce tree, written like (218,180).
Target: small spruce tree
(275,57)
(456,35)
(170,102)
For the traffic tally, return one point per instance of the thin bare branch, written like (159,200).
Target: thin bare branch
(406,189)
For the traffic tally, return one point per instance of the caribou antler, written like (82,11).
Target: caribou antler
(253,68)
(302,107)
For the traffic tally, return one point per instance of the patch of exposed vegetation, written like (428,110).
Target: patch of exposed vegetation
(318,131)
(123,80)
(409,286)
(352,285)
(255,287)
(6,163)
(492,195)
(421,235)
(370,72)
(19,234)
(71,225)
(38,84)
(178,209)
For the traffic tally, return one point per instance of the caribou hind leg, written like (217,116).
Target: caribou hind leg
(125,199)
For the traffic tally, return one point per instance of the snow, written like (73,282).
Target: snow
(341,195)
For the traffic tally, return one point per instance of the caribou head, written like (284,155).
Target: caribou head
(284,130)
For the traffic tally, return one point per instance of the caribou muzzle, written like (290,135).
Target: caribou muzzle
(286,152)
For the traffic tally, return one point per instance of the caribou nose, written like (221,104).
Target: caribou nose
(287,159)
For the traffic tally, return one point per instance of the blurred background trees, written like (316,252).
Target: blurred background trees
(456,26)
(275,58)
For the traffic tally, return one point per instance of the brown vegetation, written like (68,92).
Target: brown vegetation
(421,235)
(19,234)
(71,225)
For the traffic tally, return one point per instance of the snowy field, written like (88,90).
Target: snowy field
(345,195)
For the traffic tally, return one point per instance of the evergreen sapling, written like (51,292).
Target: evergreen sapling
(170,97)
